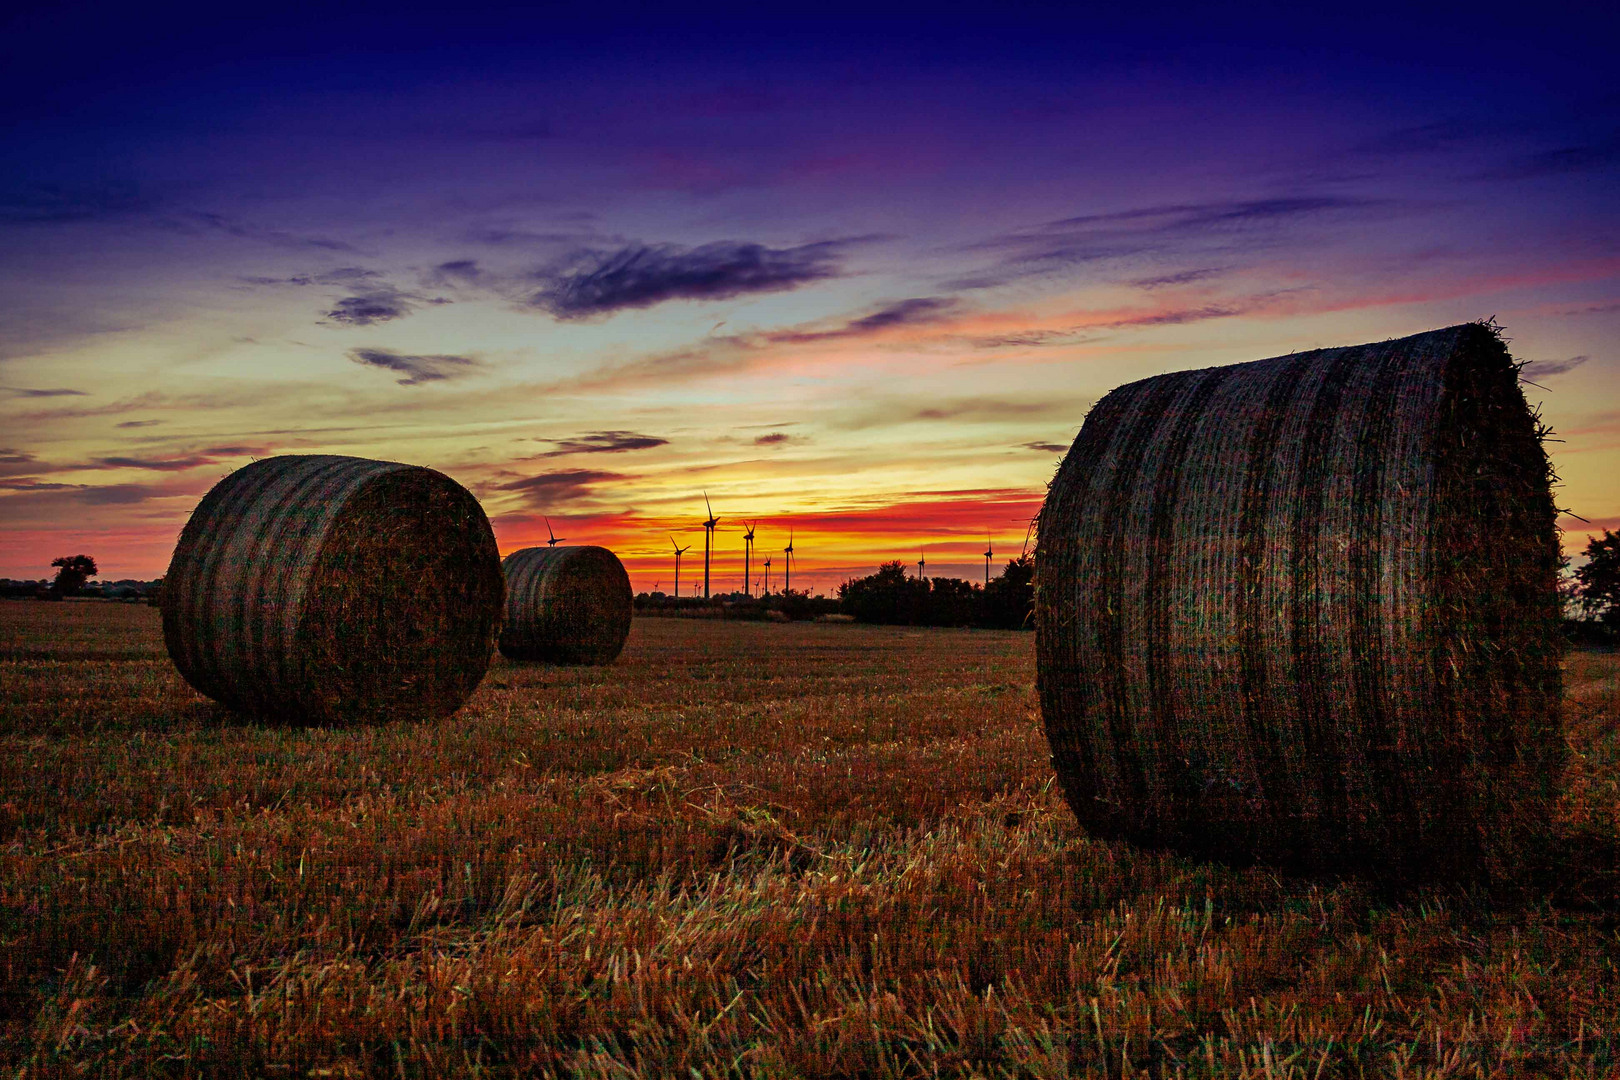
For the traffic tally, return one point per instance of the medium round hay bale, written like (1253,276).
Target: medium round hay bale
(328,590)
(565,605)
(1304,611)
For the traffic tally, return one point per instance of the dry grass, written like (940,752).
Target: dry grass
(745,849)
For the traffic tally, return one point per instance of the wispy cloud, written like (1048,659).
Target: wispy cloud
(985,409)
(960,410)
(773,438)
(1542,369)
(1419,138)
(1176,230)
(122,494)
(373,299)
(1045,447)
(593,284)
(416,369)
(355,277)
(204,221)
(15,462)
(368,309)
(49,500)
(1561,161)
(605,442)
(1183,277)
(49,204)
(178,462)
(916,311)
(150,399)
(1078,327)
(28,483)
(559,487)
(56,392)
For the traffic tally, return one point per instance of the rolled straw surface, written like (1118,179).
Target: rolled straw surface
(565,605)
(1304,611)
(329,590)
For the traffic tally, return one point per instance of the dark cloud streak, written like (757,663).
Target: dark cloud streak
(593,284)
(605,442)
(1542,369)
(416,369)
(562,486)
(911,312)
(370,308)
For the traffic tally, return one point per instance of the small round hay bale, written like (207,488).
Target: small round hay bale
(1304,611)
(565,605)
(329,590)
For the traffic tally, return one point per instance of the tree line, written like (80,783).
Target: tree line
(893,597)
(1591,595)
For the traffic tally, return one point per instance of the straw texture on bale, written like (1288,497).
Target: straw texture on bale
(328,590)
(565,605)
(1304,611)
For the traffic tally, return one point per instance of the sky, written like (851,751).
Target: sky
(857,273)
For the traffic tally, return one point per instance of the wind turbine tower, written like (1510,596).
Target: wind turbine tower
(748,556)
(989,550)
(767,575)
(708,542)
(787,569)
(679,551)
(555,539)
(922,565)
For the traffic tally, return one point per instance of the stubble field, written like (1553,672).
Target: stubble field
(744,849)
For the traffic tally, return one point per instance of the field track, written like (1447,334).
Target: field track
(743,849)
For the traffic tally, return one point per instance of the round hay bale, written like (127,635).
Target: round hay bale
(1304,611)
(565,605)
(329,590)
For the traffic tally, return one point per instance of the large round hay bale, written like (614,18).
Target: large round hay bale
(328,590)
(1304,611)
(565,605)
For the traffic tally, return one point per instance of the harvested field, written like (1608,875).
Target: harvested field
(744,849)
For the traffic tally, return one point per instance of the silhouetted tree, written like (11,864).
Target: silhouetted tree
(1009,600)
(888,596)
(73,571)
(1599,579)
(952,602)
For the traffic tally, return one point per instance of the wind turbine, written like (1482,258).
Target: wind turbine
(787,564)
(989,550)
(555,539)
(708,542)
(767,576)
(679,551)
(922,565)
(748,555)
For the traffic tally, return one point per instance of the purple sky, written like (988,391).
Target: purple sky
(860,272)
